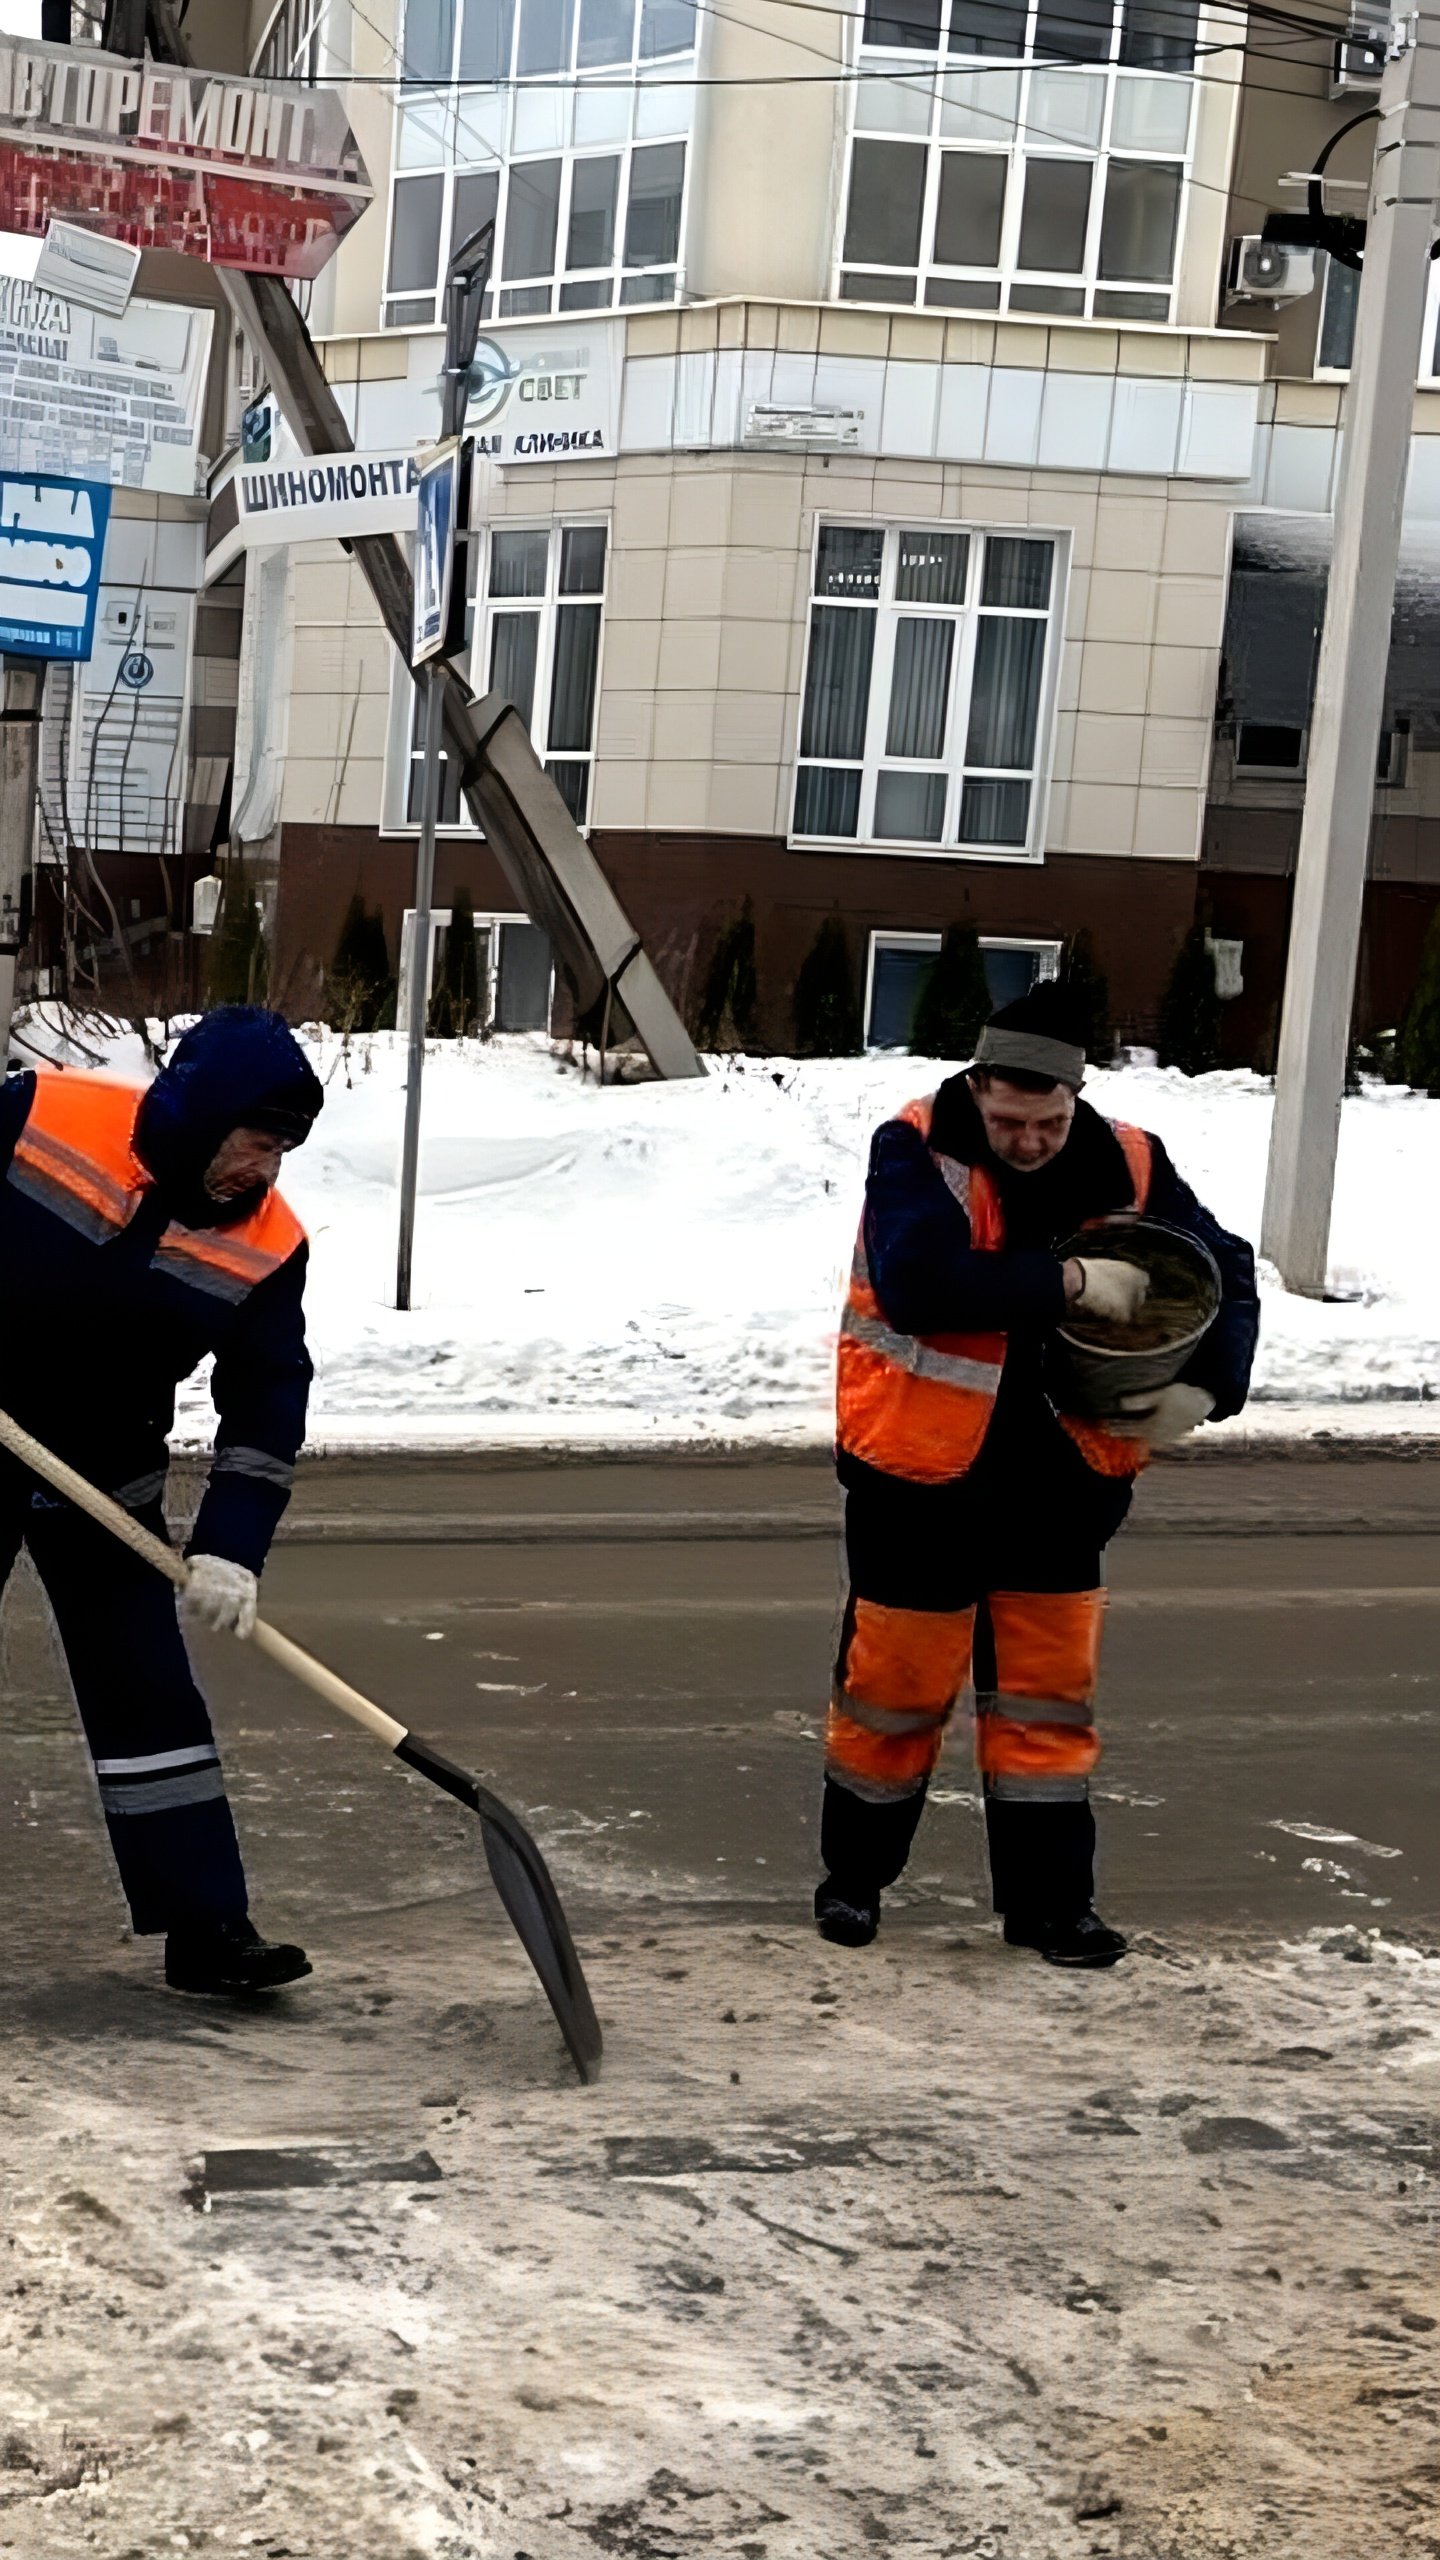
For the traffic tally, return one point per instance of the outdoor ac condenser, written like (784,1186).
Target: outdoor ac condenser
(1259,270)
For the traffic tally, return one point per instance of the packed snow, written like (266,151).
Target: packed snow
(666,1261)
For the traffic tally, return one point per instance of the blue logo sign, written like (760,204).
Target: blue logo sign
(137,670)
(493,376)
(52,540)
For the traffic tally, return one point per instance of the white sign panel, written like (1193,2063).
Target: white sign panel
(331,499)
(101,399)
(545,398)
(87,267)
(437,509)
(113,771)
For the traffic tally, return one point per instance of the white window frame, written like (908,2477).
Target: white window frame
(486,920)
(969,615)
(453,105)
(400,749)
(1048,951)
(1029,140)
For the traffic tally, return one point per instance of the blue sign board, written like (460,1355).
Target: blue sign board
(437,505)
(52,541)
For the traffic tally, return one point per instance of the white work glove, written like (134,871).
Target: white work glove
(1160,1419)
(221,1595)
(1114,1290)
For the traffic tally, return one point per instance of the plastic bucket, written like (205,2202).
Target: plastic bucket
(1092,1379)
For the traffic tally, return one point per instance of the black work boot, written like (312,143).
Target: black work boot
(1081,1940)
(847,1914)
(228,1957)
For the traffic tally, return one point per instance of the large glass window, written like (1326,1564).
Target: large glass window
(922,717)
(568,121)
(1057,185)
(536,598)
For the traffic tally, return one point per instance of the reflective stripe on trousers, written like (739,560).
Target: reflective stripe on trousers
(899,1675)
(1035,1738)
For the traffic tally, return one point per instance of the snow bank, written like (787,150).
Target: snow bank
(668,1260)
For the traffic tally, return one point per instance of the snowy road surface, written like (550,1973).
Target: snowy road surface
(670,1259)
(926,2252)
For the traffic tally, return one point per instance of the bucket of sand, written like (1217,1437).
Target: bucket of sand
(1095,1363)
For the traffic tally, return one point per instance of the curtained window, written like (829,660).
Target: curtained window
(925,728)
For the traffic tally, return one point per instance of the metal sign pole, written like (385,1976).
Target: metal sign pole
(23,683)
(419,973)
(464,298)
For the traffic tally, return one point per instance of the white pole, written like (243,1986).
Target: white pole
(1354,655)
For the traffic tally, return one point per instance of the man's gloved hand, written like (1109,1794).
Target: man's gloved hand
(1114,1290)
(1160,1419)
(221,1595)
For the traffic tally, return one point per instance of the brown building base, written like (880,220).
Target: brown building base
(1245,888)
(680,891)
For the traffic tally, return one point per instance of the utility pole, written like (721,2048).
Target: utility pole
(464,301)
(22,687)
(1354,658)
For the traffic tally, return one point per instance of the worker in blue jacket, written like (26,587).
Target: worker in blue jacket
(140,1231)
(977,1508)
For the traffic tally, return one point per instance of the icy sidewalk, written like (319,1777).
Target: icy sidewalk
(666,1262)
(926,2253)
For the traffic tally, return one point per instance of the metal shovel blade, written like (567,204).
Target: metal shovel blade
(523,1882)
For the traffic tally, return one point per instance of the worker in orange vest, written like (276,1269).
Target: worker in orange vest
(976,1514)
(140,1230)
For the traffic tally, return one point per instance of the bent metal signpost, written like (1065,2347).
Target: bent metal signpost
(242,173)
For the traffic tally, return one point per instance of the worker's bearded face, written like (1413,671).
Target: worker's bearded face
(1024,1130)
(249,1160)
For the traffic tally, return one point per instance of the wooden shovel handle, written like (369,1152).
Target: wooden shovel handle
(151,1550)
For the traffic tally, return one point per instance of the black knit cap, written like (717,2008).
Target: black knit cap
(1040,1034)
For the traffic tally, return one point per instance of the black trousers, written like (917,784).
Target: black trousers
(147,1725)
(1031,1519)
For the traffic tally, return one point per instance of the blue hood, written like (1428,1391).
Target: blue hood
(239,1066)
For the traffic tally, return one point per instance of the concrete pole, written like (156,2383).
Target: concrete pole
(22,687)
(1354,656)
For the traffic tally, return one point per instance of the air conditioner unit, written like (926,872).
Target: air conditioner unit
(1360,52)
(1260,270)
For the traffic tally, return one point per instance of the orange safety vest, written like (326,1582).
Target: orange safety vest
(74,1157)
(919,1405)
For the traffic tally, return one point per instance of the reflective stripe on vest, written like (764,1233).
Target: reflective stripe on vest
(919,1405)
(74,1158)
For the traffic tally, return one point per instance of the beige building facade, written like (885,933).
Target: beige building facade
(860,456)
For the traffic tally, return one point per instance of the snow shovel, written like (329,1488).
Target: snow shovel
(521,1876)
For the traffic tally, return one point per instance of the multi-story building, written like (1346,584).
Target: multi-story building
(862,455)
(864,428)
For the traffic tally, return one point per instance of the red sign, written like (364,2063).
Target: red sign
(242,173)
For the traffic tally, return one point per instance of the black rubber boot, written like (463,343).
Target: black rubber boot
(1082,1941)
(230,1958)
(847,1914)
